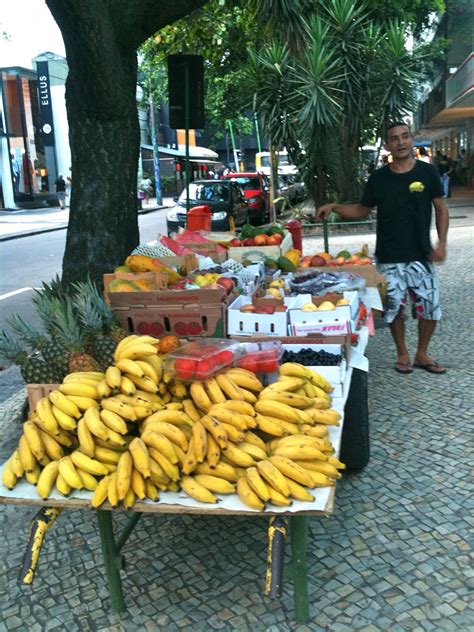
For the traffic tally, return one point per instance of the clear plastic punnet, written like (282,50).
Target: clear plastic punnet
(260,357)
(201,359)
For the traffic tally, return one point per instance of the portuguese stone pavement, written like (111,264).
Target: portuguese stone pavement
(394,555)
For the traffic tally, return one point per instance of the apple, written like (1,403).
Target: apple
(248,242)
(226,283)
(317,261)
(235,243)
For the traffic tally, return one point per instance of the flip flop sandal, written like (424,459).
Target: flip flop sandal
(433,367)
(403,367)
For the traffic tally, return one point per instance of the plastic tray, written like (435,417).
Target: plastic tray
(200,359)
(260,357)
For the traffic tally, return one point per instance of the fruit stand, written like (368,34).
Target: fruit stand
(211,425)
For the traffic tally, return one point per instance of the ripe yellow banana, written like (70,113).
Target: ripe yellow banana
(327,417)
(200,397)
(130,367)
(286,383)
(156,364)
(112,493)
(113,377)
(242,407)
(248,496)
(270,425)
(177,389)
(79,389)
(197,491)
(324,468)
(15,464)
(148,370)
(190,461)
(65,404)
(33,437)
(294,369)
(255,451)
(233,433)
(144,384)
(69,473)
(89,482)
(95,424)
(92,376)
(140,456)
(257,483)
(251,437)
(222,470)
(66,422)
(273,476)
(215,428)
(127,387)
(120,408)
(228,416)
(124,474)
(213,451)
(27,458)
(103,389)
(278,410)
(165,464)
(174,406)
(47,479)
(151,490)
(214,391)
(100,493)
(84,462)
(314,431)
(238,456)
(300,452)
(190,410)
(138,484)
(277,498)
(320,381)
(114,439)
(161,443)
(52,448)
(172,432)
(248,396)
(335,461)
(63,488)
(9,478)
(113,421)
(229,387)
(249,382)
(292,470)
(44,411)
(177,417)
(136,352)
(290,399)
(215,484)
(300,439)
(83,403)
(106,455)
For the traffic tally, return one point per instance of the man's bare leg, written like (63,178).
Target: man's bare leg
(397,329)
(425,332)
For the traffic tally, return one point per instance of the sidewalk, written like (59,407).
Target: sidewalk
(24,223)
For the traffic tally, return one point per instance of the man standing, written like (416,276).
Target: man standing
(403,192)
(60,186)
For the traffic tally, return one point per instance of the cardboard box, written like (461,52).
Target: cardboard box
(35,392)
(335,375)
(184,313)
(248,323)
(339,320)
(207,250)
(262,251)
(368,272)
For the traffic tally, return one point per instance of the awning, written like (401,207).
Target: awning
(196,153)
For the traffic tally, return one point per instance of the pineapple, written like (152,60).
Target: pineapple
(33,369)
(48,306)
(52,353)
(69,333)
(99,321)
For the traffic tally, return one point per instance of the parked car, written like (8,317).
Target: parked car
(256,188)
(225,198)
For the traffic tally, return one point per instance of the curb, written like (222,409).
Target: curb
(53,230)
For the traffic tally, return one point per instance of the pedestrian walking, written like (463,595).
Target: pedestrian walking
(445,169)
(68,190)
(423,156)
(404,192)
(60,187)
(147,188)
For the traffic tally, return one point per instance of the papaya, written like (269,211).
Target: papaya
(146,286)
(286,265)
(294,256)
(121,285)
(123,269)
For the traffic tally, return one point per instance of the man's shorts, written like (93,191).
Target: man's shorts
(416,279)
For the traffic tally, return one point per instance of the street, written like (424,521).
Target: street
(28,261)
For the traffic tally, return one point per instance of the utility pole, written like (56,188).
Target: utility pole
(156,154)
(234,148)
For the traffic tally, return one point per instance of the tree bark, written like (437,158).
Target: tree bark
(101,38)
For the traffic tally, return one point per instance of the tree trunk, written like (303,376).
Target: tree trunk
(101,39)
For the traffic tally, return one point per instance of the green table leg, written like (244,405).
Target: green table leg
(112,559)
(299,527)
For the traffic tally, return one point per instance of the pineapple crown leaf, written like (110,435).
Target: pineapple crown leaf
(10,349)
(25,331)
(67,327)
(89,289)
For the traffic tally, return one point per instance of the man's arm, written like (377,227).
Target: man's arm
(442,224)
(347,211)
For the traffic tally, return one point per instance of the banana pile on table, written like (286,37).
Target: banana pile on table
(134,431)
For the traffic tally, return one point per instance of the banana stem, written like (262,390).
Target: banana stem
(39,526)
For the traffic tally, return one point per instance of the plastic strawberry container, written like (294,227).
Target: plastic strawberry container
(201,359)
(260,357)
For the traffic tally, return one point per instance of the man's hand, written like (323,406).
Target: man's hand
(323,211)
(438,254)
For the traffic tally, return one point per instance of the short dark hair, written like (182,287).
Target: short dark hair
(392,125)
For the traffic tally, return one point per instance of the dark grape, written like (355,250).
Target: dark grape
(309,357)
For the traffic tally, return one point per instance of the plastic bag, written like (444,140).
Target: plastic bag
(320,283)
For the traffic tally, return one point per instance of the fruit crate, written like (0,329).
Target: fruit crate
(210,249)
(35,392)
(201,359)
(249,323)
(238,253)
(339,320)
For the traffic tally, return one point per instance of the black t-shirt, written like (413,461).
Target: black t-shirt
(60,185)
(403,202)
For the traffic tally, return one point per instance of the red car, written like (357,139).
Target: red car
(257,192)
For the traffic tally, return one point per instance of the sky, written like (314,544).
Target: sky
(32,30)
